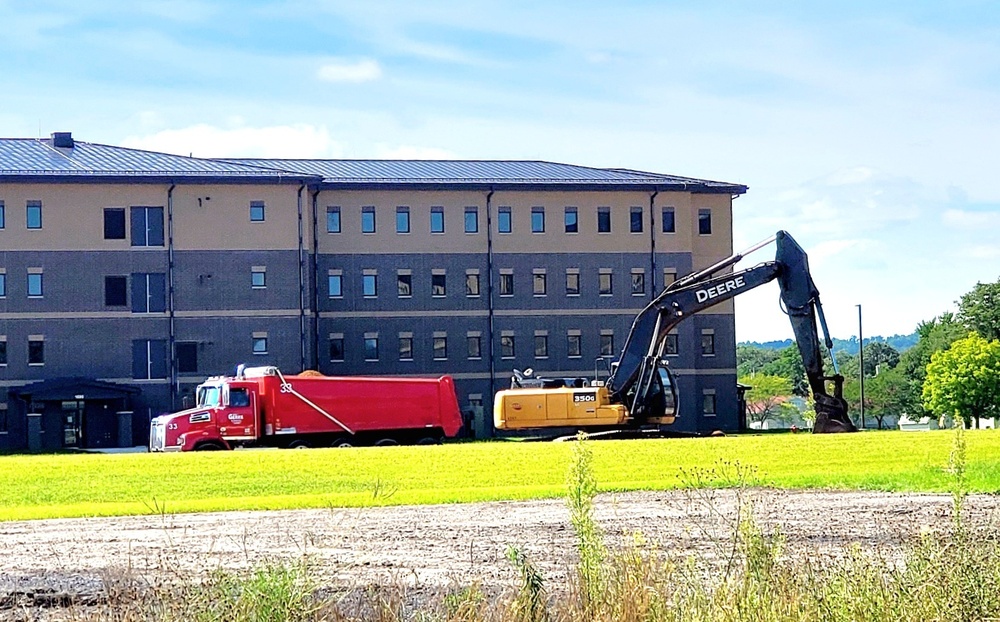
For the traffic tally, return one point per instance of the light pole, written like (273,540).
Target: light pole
(861,361)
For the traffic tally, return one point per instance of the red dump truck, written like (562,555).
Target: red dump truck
(260,406)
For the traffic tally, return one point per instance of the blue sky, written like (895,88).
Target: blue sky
(869,131)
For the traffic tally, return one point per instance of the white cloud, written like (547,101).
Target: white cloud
(965,219)
(206,141)
(409,152)
(339,70)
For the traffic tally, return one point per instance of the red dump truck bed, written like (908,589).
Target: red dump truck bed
(313,404)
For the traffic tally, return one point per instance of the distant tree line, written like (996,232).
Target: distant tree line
(950,366)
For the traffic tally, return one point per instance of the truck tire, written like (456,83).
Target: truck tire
(342,442)
(209,446)
(300,445)
(386,442)
(429,440)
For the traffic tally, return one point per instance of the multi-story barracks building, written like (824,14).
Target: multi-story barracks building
(127,277)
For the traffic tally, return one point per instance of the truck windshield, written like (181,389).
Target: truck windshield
(208,396)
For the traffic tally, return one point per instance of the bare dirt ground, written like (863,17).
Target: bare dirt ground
(47,563)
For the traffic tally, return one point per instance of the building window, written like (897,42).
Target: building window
(34,215)
(604,220)
(507,346)
(638,282)
(504,223)
(704,222)
(335,285)
(333,219)
(36,351)
(707,344)
(3,284)
(438,281)
(149,359)
(604,284)
(670,344)
(541,346)
(538,283)
(472,284)
(669,276)
(114,223)
(635,219)
(256,211)
(402,220)
(406,348)
(35,285)
(404,284)
(571,220)
(708,404)
(258,277)
(337,348)
(149,292)
(538,220)
(607,343)
(368,219)
(572,283)
(187,357)
(3,216)
(440,347)
(573,349)
(259,344)
(472,220)
(369,285)
(667,216)
(115,291)
(506,283)
(3,351)
(147,226)
(474,346)
(371,347)
(437,220)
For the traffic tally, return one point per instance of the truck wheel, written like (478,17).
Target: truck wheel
(429,440)
(386,442)
(299,445)
(343,442)
(209,446)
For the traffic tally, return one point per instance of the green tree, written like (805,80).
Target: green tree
(789,365)
(752,359)
(933,336)
(768,397)
(964,380)
(888,394)
(979,310)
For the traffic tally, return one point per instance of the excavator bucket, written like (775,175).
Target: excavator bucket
(831,410)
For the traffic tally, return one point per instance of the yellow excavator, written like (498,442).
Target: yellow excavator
(641,392)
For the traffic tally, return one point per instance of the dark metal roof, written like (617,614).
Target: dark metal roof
(28,157)
(63,159)
(483,172)
(69,388)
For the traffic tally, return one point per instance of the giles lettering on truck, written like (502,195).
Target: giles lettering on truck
(717,290)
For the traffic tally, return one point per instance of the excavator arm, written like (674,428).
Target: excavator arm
(634,378)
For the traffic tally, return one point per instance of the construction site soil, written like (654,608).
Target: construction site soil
(47,565)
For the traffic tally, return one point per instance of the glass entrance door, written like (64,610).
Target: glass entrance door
(72,416)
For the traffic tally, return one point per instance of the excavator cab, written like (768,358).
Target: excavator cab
(659,404)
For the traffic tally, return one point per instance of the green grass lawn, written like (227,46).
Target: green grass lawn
(70,485)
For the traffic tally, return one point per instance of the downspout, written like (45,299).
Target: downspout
(652,243)
(302,292)
(172,333)
(489,299)
(315,279)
